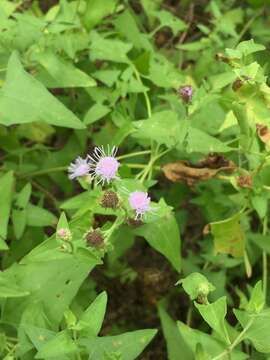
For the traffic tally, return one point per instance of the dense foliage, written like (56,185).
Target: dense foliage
(134,170)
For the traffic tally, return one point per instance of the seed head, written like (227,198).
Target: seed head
(109,200)
(94,238)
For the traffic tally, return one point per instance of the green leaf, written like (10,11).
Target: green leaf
(257,328)
(129,345)
(229,236)
(173,338)
(6,192)
(108,49)
(214,314)
(23,99)
(96,112)
(57,73)
(257,299)
(249,47)
(60,345)
(19,214)
(196,285)
(199,141)
(9,289)
(91,320)
(163,235)
(96,10)
(37,216)
(168,19)
(211,346)
(163,127)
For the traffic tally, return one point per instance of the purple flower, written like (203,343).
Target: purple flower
(140,202)
(80,167)
(186,93)
(104,165)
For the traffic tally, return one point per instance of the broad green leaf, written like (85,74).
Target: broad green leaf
(57,73)
(126,21)
(199,141)
(23,99)
(257,299)
(19,214)
(229,236)
(108,49)
(214,314)
(37,216)
(173,338)
(211,346)
(196,285)
(257,328)
(6,190)
(91,320)
(163,235)
(96,10)
(129,345)
(249,47)
(96,112)
(168,19)
(163,127)
(61,344)
(9,288)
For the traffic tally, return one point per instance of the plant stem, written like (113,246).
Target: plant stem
(264,258)
(138,153)
(236,341)
(42,172)
(147,100)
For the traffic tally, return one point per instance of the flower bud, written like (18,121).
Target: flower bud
(94,238)
(109,200)
(186,93)
(237,84)
(134,222)
(64,234)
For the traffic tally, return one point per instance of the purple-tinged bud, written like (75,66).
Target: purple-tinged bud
(186,93)
(64,234)
(109,200)
(94,238)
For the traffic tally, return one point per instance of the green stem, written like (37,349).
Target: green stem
(147,100)
(138,153)
(42,172)
(264,258)
(236,341)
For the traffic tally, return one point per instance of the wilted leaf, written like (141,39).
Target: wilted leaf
(183,171)
(229,236)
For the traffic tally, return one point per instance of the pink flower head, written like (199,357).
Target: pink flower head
(140,202)
(80,167)
(104,165)
(64,234)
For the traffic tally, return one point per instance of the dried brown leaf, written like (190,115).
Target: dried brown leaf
(183,171)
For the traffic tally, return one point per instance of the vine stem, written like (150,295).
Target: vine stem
(264,258)
(147,100)
(236,341)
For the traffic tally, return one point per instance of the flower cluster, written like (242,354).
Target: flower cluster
(103,165)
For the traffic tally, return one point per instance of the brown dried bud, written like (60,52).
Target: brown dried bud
(109,200)
(237,84)
(244,181)
(94,238)
(134,222)
(222,57)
